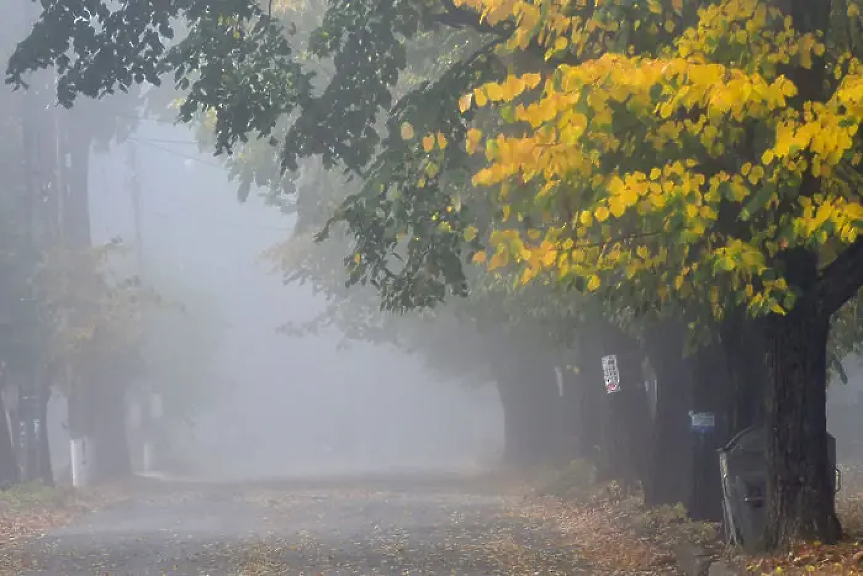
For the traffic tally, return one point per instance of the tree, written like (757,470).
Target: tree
(405,204)
(178,351)
(94,317)
(709,157)
(702,157)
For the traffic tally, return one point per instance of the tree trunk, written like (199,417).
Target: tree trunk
(800,499)
(627,436)
(668,482)
(107,408)
(584,412)
(617,424)
(8,464)
(533,428)
(46,470)
(743,342)
(709,386)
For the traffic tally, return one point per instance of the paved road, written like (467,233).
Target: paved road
(351,527)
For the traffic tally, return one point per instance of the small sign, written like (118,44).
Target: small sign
(703,422)
(611,374)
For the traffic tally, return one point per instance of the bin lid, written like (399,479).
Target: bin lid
(753,440)
(750,440)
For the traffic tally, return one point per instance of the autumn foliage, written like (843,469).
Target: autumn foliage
(669,154)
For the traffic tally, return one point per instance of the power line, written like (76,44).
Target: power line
(165,216)
(176,153)
(164,140)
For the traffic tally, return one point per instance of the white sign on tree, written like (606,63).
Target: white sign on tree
(611,373)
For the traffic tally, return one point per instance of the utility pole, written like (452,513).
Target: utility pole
(135,194)
(28,393)
(147,409)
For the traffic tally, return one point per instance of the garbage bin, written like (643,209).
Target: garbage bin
(743,468)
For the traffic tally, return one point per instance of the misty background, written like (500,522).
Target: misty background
(272,404)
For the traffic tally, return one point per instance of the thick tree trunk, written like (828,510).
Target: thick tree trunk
(743,342)
(800,497)
(710,384)
(627,437)
(594,414)
(585,413)
(108,431)
(669,481)
(46,470)
(9,475)
(615,426)
(533,417)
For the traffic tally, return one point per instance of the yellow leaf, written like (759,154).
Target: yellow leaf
(481,98)
(470,233)
(618,207)
(549,258)
(594,283)
(601,214)
(494,92)
(407,131)
(531,80)
(464,102)
(428,143)
(479,257)
(499,260)
(441,140)
(473,137)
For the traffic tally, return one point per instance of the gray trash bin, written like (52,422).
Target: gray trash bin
(743,467)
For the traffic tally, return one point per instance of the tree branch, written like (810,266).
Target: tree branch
(458,17)
(842,278)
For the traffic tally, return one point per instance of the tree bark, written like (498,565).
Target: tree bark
(627,437)
(710,384)
(107,409)
(800,499)
(585,413)
(743,342)
(533,421)
(668,482)
(46,470)
(9,475)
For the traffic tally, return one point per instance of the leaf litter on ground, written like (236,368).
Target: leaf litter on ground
(842,559)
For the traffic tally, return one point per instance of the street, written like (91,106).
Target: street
(396,525)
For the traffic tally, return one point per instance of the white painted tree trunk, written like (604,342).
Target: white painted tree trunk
(148,457)
(80,464)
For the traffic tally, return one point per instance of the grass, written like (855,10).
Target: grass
(26,497)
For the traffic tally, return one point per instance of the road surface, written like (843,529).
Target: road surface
(390,526)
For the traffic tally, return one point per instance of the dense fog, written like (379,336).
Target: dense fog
(270,403)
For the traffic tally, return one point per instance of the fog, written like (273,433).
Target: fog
(273,404)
